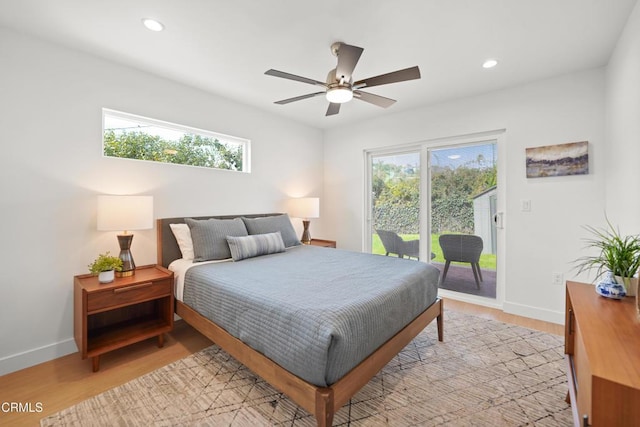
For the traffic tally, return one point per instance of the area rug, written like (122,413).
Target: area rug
(485,373)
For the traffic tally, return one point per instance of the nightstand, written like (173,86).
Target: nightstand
(323,243)
(129,309)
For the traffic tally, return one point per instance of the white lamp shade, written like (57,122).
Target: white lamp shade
(122,213)
(305,207)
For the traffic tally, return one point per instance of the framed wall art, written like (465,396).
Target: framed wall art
(558,160)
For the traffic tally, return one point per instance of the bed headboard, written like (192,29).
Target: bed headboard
(168,249)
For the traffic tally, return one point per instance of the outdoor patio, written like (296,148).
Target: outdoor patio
(460,279)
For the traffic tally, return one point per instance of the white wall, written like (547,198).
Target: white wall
(563,109)
(51,169)
(623,129)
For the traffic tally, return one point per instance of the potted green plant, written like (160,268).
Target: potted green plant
(617,253)
(105,267)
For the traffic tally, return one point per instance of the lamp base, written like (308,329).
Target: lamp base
(128,266)
(125,273)
(306,236)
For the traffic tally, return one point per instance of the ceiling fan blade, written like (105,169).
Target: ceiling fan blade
(378,100)
(393,77)
(282,74)
(299,98)
(334,108)
(348,57)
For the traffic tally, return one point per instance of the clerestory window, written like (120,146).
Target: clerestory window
(130,136)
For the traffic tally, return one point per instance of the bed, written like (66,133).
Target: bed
(316,349)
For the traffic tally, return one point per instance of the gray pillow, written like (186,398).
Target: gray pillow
(272,224)
(210,237)
(255,245)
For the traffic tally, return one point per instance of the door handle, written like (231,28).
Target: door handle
(498,218)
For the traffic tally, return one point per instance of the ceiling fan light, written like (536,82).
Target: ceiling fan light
(339,95)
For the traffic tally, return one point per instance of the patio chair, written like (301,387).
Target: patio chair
(462,248)
(394,244)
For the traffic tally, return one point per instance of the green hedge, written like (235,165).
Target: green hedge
(402,218)
(451,215)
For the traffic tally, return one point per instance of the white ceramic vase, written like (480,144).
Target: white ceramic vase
(106,276)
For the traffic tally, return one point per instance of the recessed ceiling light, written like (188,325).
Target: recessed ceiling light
(152,24)
(489,63)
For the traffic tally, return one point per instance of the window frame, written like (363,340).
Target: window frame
(223,138)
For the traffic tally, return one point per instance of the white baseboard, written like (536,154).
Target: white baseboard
(36,356)
(472,299)
(16,362)
(534,312)
(507,307)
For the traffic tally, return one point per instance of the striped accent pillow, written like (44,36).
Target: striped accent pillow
(255,245)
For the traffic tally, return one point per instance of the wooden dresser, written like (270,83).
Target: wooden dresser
(602,347)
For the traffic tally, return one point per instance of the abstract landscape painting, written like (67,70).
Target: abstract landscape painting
(558,160)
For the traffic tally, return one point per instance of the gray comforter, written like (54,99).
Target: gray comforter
(316,312)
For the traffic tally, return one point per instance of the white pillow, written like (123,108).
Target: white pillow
(182,234)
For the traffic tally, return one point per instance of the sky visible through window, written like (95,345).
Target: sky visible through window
(483,155)
(477,156)
(119,125)
(409,159)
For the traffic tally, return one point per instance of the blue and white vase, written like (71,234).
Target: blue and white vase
(630,284)
(609,288)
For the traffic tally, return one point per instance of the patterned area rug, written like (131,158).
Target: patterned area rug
(486,373)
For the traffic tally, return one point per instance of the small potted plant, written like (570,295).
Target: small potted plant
(105,267)
(619,255)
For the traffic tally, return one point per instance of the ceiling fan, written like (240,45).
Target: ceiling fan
(340,87)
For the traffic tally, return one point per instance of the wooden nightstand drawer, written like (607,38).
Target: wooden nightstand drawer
(126,295)
(323,243)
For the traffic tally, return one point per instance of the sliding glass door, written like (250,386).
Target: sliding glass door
(464,188)
(436,202)
(394,215)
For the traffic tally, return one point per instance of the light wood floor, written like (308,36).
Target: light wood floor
(63,382)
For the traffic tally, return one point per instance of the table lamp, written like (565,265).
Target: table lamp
(125,213)
(305,208)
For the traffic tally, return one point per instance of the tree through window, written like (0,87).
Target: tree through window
(134,137)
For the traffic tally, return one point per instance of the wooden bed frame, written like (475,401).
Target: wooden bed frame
(323,402)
